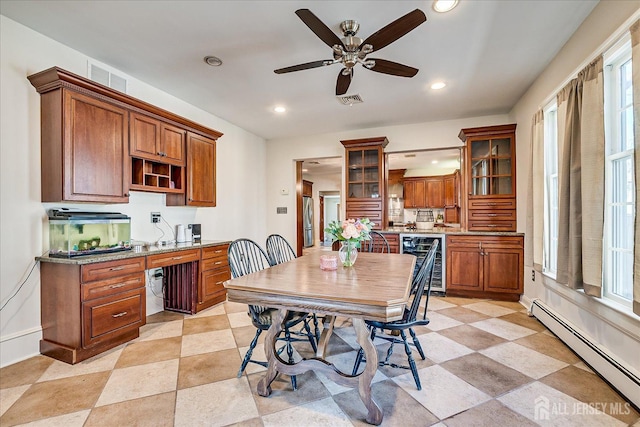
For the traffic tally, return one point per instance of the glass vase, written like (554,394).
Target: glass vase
(347,253)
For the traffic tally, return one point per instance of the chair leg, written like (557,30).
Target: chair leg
(412,363)
(287,337)
(310,335)
(416,342)
(247,357)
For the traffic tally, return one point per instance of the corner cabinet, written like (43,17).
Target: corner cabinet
(485,266)
(490,170)
(366,179)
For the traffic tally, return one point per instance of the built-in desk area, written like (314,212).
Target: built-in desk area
(90,304)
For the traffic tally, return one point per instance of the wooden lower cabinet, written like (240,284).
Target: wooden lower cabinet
(87,309)
(214,272)
(394,242)
(485,266)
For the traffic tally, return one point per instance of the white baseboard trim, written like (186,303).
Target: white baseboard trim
(19,346)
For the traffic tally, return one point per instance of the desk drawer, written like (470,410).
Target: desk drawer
(107,270)
(211,263)
(219,251)
(172,258)
(212,282)
(113,286)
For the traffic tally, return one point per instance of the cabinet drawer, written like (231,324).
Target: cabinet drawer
(112,286)
(172,258)
(106,270)
(375,217)
(493,215)
(211,263)
(463,241)
(475,225)
(492,203)
(212,282)
(364,205)
(106,318)
(219,251)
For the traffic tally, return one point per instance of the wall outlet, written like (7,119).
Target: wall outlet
(533,275)
(155,217)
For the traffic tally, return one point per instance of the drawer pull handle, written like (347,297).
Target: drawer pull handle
(116,268)
(220,282)
(219,262)
(176,258)
(492,214)
(218,251)
(119,285)
(124,313)
(491,225)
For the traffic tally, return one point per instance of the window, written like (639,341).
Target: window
(620,203)
(550,255)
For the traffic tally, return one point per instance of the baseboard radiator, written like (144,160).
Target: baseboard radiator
(611,370)
(178,285)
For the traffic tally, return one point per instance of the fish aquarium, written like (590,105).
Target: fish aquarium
(73,233)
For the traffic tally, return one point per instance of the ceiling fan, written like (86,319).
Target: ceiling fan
(352,50)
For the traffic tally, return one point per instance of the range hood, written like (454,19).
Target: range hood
(396,191)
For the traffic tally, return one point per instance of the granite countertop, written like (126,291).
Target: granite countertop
(147,250)
(449,230)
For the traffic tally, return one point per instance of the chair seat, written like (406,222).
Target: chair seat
(265,318)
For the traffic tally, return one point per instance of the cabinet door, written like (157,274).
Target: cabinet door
(96,150)
(503,270)
(434,193)
(201,171)
(450,191)
(145,137)
(172,144)
(464,268)
(415,194)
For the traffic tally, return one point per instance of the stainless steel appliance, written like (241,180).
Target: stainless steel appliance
(418,244)
(307,221)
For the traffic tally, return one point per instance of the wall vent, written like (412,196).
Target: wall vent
(100,75)
(349,99)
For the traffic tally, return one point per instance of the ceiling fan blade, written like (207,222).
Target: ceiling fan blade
(344,80)
(319,28)
(306,66)
(393,68)
(395,30)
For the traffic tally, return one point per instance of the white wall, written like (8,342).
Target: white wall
(282,153)
(617,332)
(241,168)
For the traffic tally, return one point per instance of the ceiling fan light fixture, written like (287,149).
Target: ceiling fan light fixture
(279,109)
(214,61)
(438,85)
(443,6)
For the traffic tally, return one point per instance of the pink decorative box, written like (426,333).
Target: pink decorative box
(328,262)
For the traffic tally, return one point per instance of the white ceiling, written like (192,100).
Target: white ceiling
(489,52)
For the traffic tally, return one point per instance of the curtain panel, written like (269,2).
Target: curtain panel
(581,181)
(635,65)
(535,198)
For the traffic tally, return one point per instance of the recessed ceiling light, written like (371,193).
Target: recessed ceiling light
(434,161)
(214,61)
(279,109)
(305,170)
(438,85)
(444,5)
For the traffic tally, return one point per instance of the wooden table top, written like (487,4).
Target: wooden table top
(376,288)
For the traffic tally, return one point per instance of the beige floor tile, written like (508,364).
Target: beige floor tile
(198,325)
(489,309)
(253,422)
(144,352)
(100,363)
(207,368)
(486,374)
(513,305)
(522,319)
(151,411)
(140,381)
(322,413)
(548,406)
(216,310)
(443,393)
(503,329)
(436,304)
(551,346)
(398,407)
(474,338)
(8,396)
(439,348)
(529,362)
(438,322)
(463,314)
(462,301)
(54,398)
(245,334)
(234,307)
(344,362)
(75,419)
(583,366)
(489,414)
(257,354)
(239,319)
(25,372)
(165,330)
(591,389)
(164,317)
(216,404)
(207,342)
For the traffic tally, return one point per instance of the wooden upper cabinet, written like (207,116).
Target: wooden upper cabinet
(201,173)
(434,192)
(155,140)
(307,188)
(85,148)
(414,193)
(451,190)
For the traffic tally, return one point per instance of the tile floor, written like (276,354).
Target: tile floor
(487,364)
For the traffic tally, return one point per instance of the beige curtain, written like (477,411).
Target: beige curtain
(581,181)
(635,65)
(535,197)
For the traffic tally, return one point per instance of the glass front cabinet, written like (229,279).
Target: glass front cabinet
(490,177)
(366,179)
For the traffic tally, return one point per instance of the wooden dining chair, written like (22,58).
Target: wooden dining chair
(421,285)
(246,257)
(377,243)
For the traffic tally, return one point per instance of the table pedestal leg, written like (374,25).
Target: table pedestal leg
(264,386)
(327,330)
(364,380)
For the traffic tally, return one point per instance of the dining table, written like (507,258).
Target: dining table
(376,287)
